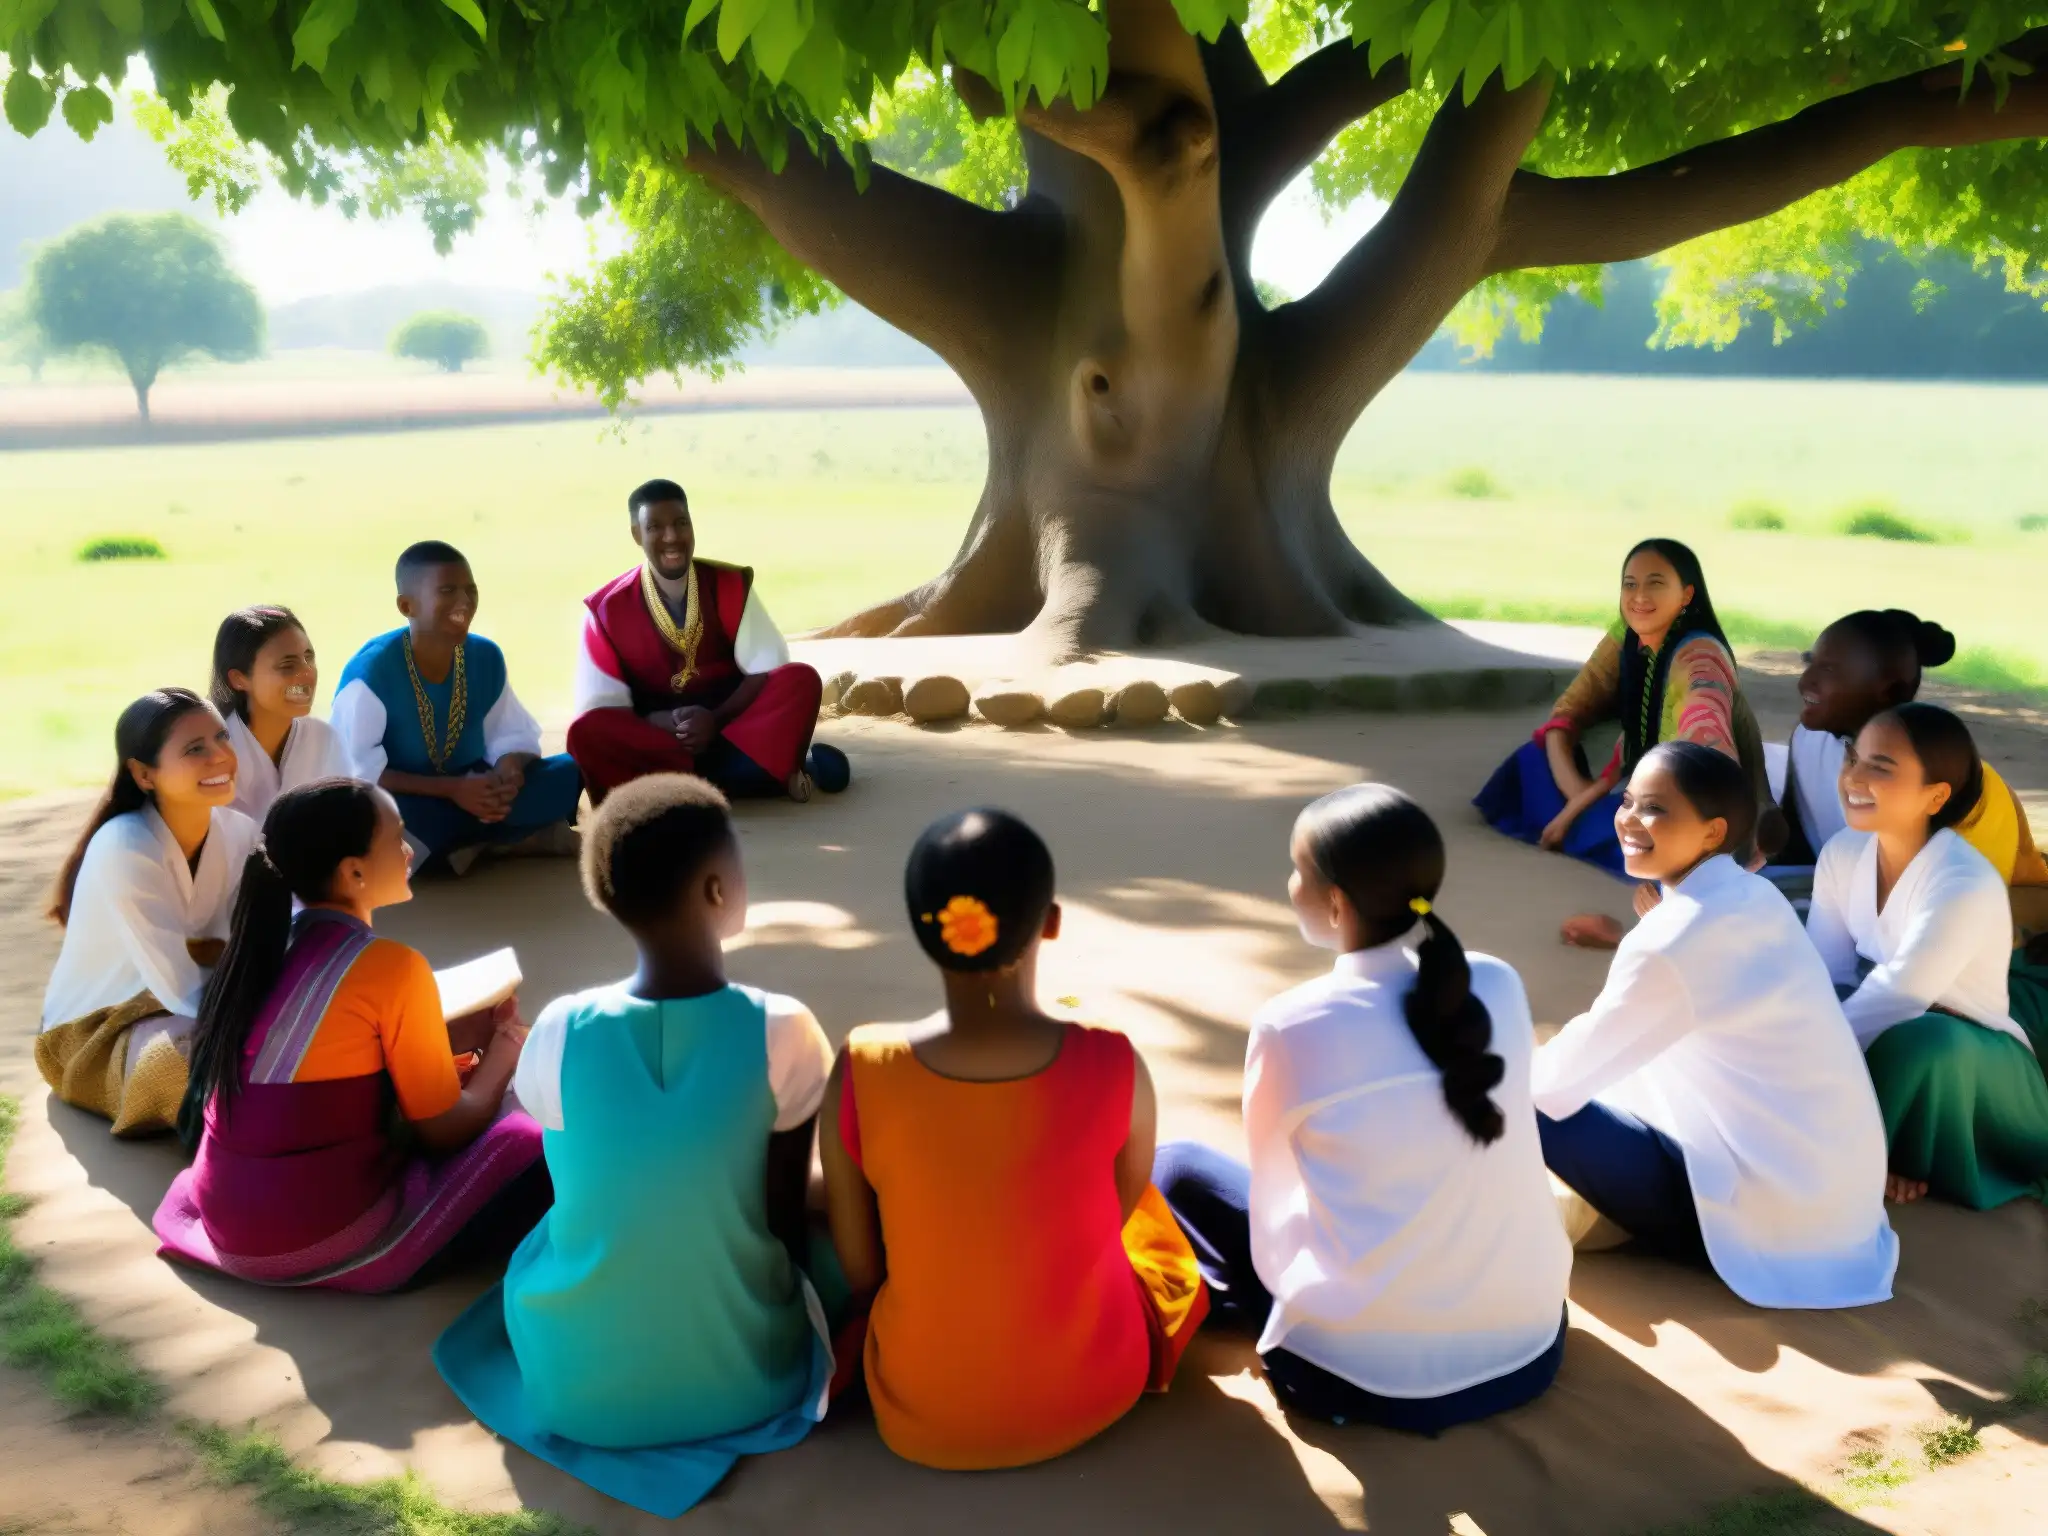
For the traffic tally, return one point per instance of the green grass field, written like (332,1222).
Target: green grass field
(836,509)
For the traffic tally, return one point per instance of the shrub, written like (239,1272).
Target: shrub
(443,337)
(1950,1440)
(1757,517)
(1476,484)
(2034,522)
(122,546)
(1885,523)
(2030,1387)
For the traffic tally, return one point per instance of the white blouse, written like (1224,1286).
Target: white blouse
(799,1058)
(1943,939)
(1719,1027)
(1402,1255)
(312,751)
(1816,762)
(136,903)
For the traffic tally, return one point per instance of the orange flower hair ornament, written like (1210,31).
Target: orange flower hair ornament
(966,926)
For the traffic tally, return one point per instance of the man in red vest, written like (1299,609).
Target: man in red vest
(682,671)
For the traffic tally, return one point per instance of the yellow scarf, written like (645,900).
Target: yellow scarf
(1998,829)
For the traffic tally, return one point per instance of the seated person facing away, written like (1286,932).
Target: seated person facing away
(682,671)
(144,900)
(1861,665)
(264,678)
(656,1323)
(1710,1102)
(427,713)
(1913,925)
(312,1026)
(1667,673)
(987,1173)
(1394,1245)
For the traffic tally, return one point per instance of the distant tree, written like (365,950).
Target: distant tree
(21,339)
(444,337)
(150,288)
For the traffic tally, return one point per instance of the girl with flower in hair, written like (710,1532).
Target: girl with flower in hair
(987,1175)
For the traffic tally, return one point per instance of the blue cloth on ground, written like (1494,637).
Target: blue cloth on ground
(1522,798)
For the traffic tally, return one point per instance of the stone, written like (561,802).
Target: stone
(1287,696)
(835,689)
(1080,710)
(930,700)
(1010,708)
(1199,702)
(874,696)
(1139,704)
(1234,698)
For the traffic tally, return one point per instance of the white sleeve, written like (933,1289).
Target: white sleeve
(1777,756)
(1827,918)
(600,681)
(127,887)
(799,1060)
(1943,935)
(358,719)
(537,1080)
(509,728)
(1642,1012)
(759,646)
(329,758)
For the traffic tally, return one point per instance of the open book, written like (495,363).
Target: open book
(477,984)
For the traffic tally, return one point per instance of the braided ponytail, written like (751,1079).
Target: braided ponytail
(1385,854)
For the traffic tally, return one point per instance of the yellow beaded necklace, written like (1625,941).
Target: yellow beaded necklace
(684,641)
(438,752)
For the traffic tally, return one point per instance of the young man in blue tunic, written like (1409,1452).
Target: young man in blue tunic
(427,712)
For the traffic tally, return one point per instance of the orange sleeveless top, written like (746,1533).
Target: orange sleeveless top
(1020,1315)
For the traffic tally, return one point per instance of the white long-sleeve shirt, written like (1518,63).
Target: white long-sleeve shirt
(1719,1027)
(1402,1255)
(360,719)
(1944,938)
(1815,760)
(135,905)
(312,751)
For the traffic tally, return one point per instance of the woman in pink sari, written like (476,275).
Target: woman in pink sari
(311,1032)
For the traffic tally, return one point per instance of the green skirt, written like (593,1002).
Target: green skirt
(1965,1107)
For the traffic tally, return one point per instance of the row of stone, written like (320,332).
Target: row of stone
(936,700)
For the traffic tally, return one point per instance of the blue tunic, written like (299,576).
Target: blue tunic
(380,667)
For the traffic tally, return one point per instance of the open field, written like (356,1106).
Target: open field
(838,508)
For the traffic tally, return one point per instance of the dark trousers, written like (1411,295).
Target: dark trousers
(549,795)
(1631,1174)
(1210,1196)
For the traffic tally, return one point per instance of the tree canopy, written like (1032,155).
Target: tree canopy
(443,337)
(148,288)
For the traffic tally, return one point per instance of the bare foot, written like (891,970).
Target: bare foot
(1901,1190)
(1591,930)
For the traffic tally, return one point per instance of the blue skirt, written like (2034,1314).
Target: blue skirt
(1522,798)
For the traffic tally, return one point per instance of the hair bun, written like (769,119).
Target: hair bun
(1934,645)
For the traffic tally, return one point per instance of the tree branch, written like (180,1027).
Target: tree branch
(1272,137)
(1363,322)
(1235,78)
(967,282)
(1557,221)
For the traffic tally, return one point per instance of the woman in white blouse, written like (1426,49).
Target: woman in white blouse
(264,679)
(1394,1243)
(1915,929)
(144,900)
(1711,1102)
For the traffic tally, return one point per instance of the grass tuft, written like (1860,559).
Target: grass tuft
(1475,484)
(1757,517)
(1886,523)
(303,1500)
(1870,1478)
(2034,522)
(2030,1387)
(1950,1440)
(121,546)
(41,1331)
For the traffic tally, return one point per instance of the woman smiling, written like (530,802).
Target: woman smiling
(1710,1101)
(264,678)
(1915,929)
(144,901)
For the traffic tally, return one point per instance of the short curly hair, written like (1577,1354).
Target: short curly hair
(648,840)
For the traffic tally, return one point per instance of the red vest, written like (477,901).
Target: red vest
(620,611)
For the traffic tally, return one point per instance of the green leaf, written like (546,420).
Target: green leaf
(736,22)
(125,16)
(1013,53)
(324,21)
(1429,30)
(469,12)
(698,10)
(87,110)
(1517,66)
(208,18)
(777,36)
(29,99)
(1484,58)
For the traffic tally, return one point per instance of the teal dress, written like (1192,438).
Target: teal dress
(651,1329)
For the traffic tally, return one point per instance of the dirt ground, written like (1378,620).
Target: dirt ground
(1171,851)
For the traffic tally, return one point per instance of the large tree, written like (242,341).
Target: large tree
(1076,245)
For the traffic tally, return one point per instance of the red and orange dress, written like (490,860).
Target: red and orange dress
(1022,1314)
